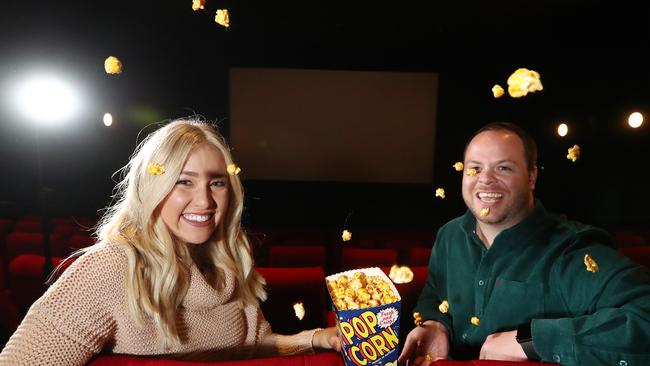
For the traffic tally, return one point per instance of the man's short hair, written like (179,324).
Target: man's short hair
(530,146)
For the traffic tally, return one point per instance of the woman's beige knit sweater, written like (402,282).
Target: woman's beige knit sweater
(85,312)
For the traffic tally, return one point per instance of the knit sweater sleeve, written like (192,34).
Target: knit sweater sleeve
(72,321)
(272,344)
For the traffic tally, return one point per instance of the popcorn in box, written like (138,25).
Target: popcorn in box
(367,307)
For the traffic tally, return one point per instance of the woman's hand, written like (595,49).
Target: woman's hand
(327,338)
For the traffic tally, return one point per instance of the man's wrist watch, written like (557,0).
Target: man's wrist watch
(525,339)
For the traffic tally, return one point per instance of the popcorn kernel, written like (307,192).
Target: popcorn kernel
(299,309)
(476,321)
(233,169)
(417,319)
(444,306)
(198,4)
(591,264)
(574,153)
(112,65)
(155,169)
(400,274)
(222,17)
(523,81)
(497,91)
(346,236)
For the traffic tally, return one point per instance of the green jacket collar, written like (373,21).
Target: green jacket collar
(524,228)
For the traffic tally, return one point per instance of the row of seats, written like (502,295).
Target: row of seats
(18,243)
(334,259)
(285,287)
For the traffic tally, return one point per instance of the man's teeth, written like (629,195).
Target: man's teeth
(196,218)
(489,196)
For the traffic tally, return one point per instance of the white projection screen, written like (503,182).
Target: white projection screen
(337,126)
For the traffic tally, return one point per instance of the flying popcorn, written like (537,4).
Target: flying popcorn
(522,82)
(485,211)
(591,264)
(346,236)
(444,306)
(400,274)
(471,172)
(417,319)
(574,153)
(458,166)
(497,91)
(112,65)
(198,4)
(440,192)
(155,169)
(476,321)
(299,309)
(222,17)
(233,169)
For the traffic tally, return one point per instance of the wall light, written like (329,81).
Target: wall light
(46,99)
(108,119)
(562,129)
(635,120)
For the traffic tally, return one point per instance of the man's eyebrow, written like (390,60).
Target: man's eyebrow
(509,161)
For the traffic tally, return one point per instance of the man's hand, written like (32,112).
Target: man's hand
(503,346)
(426,344)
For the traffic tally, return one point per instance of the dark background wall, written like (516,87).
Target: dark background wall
(177,63)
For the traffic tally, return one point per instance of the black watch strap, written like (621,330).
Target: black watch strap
(525,340)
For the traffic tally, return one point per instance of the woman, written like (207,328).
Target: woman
(171,273)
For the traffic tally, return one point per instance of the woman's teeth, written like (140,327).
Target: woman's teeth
(196,218)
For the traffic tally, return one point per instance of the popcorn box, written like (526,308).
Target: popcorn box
(369,335)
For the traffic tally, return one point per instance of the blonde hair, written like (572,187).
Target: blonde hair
(156,280)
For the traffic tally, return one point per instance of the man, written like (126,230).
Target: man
(510,281)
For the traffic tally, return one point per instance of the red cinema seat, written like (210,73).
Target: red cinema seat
(329,358)
(26,280)
(32,243)
(640,255)
(286,286)
(28,224)
(487,363)
(403,244)
(418,256)
(5,225)
(628,239)
(8,317)
(79,241)
(297,256)
(352,258)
